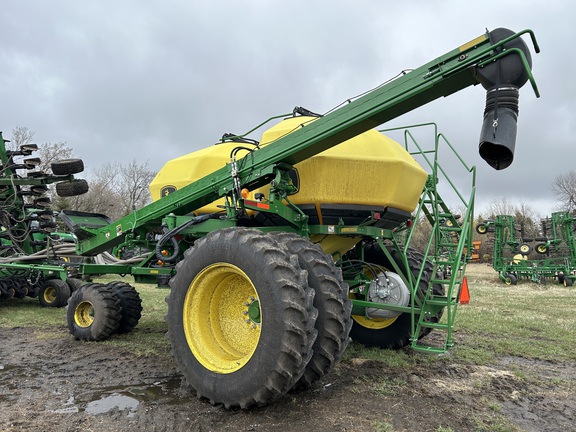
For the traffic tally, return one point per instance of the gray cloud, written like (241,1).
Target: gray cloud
(155,80)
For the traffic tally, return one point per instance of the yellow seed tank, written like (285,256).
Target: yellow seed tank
(369,171)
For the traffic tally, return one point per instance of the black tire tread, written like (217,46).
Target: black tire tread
(331,299)
(71,188)
(130,304)
(107,313)
(67,166)
(62,293)
(74,284)
(295,297)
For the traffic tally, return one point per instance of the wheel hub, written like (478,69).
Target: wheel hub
(222,318)
(50,295)
(84,314)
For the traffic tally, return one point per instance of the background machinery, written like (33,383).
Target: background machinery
(278,250)
(34,256)
(553,255)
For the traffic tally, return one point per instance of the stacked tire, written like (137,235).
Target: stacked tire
(72,187)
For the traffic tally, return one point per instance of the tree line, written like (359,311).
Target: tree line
(115,188)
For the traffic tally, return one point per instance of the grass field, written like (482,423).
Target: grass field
(526,320)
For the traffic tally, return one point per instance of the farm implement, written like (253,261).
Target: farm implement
(278,250)
(551,256)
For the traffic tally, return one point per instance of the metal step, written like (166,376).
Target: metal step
(441,301)
(439,326)
(428,349)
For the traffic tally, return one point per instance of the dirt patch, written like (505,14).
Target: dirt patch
(59,384)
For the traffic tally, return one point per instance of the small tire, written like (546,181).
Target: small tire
(481,228)
(20,289)
(67,166)
(72,188)
(6,291)
(541,248)
(54,293)
(568,282)
(510,279)
(130,303)
(561,278)
(93,312)
(525,249)
(331,299)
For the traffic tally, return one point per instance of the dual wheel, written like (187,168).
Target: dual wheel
(252,315)
(96,311)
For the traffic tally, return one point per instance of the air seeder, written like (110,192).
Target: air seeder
(278,250)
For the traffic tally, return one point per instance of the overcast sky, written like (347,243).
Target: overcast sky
(151,80)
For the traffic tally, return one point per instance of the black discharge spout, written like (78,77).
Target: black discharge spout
(502,79)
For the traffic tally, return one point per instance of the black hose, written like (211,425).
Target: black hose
(171,235)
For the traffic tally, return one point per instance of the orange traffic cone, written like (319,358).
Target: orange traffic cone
(464,292)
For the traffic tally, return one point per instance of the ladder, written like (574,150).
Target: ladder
(449,246)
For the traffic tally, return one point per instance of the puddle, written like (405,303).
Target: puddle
(115,400)
(123,398)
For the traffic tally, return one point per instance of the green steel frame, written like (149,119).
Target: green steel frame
(557,248)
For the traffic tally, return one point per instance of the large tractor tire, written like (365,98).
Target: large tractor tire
(392,333)
(240,318)
(54,293)
(331,299)
(130,304)
(93,312)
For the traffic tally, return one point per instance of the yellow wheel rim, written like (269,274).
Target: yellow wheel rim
(50,295)
(84,314)
(222,318)
(374,324)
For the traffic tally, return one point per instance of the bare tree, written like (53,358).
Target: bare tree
(103,194)
(135,179)
(21,135)
(115,190)
(526,218)
(47,152)
(564,187)
(501,206)
(51,152)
